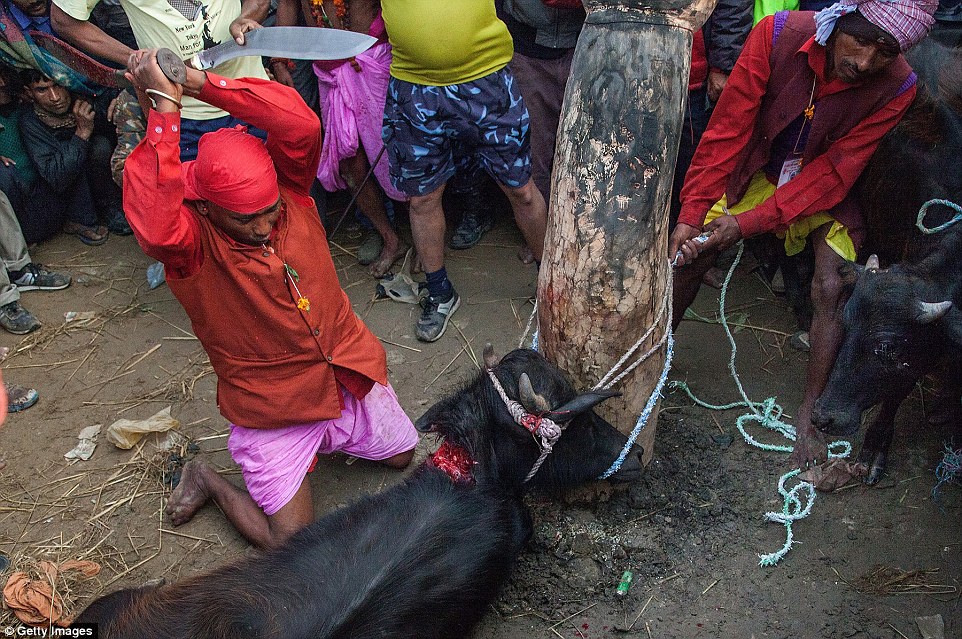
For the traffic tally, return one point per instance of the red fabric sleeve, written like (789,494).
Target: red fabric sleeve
(154,198)
(730,127)
(826,180)
(293,130)
(167,229)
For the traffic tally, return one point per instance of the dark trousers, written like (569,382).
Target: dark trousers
(42,212)
(697,113)
(543,85)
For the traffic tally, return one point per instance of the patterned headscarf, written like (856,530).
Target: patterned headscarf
(233,170)
(908,21)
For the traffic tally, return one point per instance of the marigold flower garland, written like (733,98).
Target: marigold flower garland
(303,304)
(321,17)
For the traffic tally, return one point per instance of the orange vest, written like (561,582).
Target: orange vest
(273,361)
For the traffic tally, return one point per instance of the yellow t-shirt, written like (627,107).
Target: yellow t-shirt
(442,42)
(156,23)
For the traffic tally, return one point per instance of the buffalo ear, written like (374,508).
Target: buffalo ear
(928,312)
(580,404)
(850,272)
(430,421)
(490,359)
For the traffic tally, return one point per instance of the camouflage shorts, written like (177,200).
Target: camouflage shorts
(131,126)
(432,132)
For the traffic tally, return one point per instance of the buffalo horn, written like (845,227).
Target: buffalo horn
(490,359)
(532,401)
(872,262)
(931,311)
(580,404)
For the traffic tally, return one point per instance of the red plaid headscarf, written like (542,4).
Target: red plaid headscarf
(908,21)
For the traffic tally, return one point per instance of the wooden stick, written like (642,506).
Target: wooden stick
(410,348)
(467,343)
(640,613)
(710,586)
(86,357)
(898,631)
(574,615)
(142,357)
(456,356)
(180,534)
(643,517)
(66,361)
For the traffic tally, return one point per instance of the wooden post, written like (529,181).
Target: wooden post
(605,267)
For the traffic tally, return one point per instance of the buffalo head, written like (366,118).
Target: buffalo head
(897,327)
(477,419)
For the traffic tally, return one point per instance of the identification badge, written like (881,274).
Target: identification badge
(790,169)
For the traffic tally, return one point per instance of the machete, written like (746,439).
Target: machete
(299,43)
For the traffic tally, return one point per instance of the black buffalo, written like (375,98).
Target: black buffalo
(904,322)
(421,559)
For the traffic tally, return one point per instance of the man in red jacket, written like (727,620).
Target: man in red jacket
(298,373)
(803,110)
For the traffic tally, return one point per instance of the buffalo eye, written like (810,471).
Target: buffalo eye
(885,352)
(888,354)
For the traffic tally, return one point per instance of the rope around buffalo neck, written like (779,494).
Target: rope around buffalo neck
(546,431)
(768,414)
(941,227)
(664,313)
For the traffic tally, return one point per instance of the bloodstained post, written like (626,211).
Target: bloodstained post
(605,269)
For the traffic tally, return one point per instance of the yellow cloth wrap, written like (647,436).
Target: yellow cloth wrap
(759,190)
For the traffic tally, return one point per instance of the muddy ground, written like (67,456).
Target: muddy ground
(691,530)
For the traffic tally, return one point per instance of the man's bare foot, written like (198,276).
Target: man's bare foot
(810,449)
(401,460)
(191,493)
(525,254)
(391,253)
(714,277)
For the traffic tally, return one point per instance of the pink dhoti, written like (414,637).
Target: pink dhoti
(275,461)
(352,110)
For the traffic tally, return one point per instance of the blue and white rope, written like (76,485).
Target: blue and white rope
(767,413)
(664,314)
(941,227)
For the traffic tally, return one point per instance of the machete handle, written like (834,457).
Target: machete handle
(172,66)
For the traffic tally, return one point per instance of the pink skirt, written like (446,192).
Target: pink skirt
(275,461)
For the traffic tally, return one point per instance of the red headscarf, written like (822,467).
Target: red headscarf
(232,170)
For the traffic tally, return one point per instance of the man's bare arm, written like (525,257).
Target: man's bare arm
(88,37)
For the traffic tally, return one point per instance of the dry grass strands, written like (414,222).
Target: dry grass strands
(886,581)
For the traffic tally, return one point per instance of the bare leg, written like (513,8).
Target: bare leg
(200,483)
(685,284)
(531,214)
(427,229)
(371,202)
(826,336)
(401,460)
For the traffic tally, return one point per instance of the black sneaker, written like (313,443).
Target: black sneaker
(473,226)
(17,320)
(117,222)
(435,313)
(35,277)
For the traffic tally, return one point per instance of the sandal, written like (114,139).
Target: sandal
(89,235)
(20,397)
(400,287)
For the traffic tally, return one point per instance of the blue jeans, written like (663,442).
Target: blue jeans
(191,130)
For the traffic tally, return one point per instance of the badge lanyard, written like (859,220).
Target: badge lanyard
(793,164)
